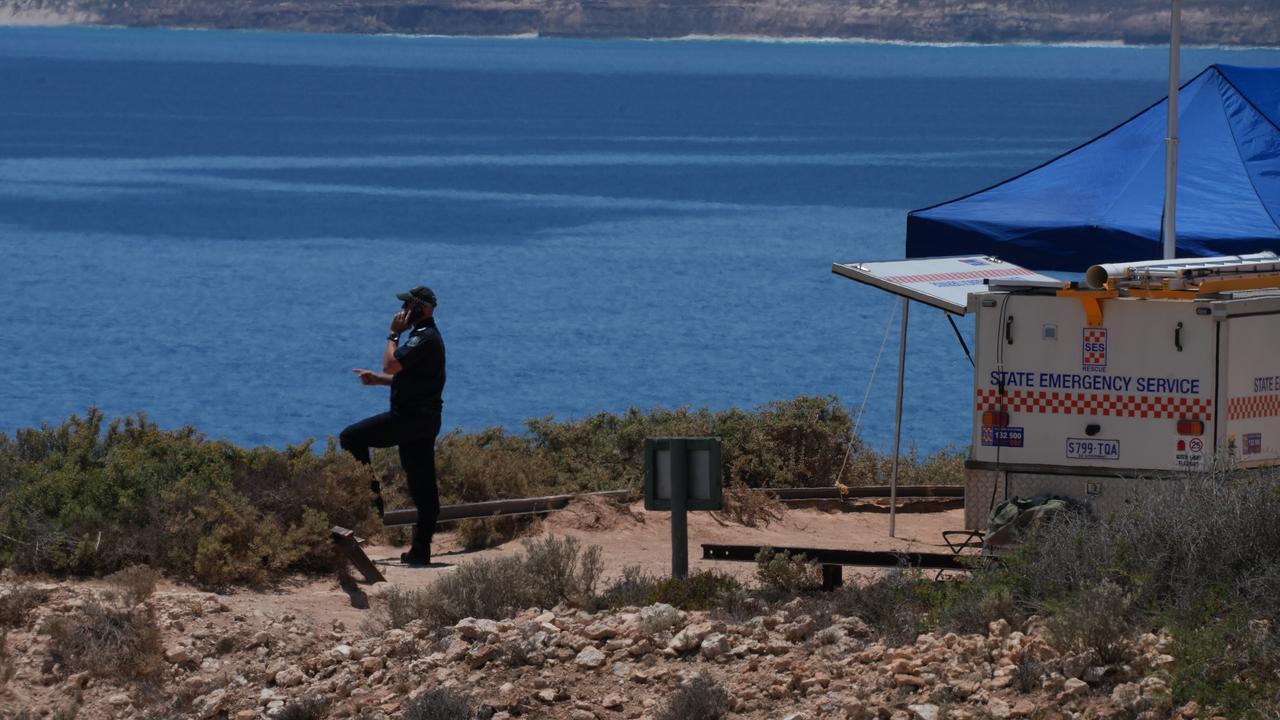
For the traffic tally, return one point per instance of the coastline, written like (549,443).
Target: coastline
(691,38)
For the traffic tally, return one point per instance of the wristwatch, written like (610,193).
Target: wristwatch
(394,337)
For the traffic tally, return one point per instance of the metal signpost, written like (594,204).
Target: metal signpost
(682,474)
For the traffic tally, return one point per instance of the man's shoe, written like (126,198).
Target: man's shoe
(416,558)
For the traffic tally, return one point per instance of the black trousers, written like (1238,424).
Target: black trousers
(415,436)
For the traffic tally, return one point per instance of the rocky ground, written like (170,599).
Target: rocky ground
(256,654)
(562,663)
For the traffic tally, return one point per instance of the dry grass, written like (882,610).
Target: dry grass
(108,641)
(311,707)
(549,572)
(750,507)
(439,704)
(17,602)
(6,663)
(700,699)
(134,584)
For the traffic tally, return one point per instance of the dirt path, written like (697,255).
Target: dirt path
(627,536)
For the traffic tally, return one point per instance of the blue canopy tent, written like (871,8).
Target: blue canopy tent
(1102,201)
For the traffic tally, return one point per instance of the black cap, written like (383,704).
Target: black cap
(422,294)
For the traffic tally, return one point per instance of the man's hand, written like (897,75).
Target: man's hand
(400,322)
(369,377)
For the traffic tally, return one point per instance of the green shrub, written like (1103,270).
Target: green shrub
(633,589)
(898,605)
(93,497)
(702,590)
(702,698)
(799,442)
(1097,618)
(1227,656)
(782,576)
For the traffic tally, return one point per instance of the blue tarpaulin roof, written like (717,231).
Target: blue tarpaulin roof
(1103,201)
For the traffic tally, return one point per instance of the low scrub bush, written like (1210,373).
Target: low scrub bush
(134,584)
(6,663)
(702,590)
(548,572)
(17,601)
(1094,618)
(1197,557)
(898,605)
(93,497)
(633,589)
(489,532)
(750,507)
(782,576)
(439,704)
(1228,650)
(702,698)
(311,707)
(107,640)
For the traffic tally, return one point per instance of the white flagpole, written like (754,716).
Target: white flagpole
(1168,228)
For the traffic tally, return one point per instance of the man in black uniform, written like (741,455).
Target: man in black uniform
(415,372)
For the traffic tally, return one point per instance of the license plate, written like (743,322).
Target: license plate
(1093,449)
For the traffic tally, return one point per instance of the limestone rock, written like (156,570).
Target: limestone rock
(657,618)
(289,677)
(590,657)
(476,629)
(1073,688)
(796,631)
(211,704)
(599,631)
(714,645)
(924,712)
(690,637)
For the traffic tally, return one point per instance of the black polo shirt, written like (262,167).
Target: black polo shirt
(415,390)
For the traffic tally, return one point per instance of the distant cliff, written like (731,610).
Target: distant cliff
(1225,22)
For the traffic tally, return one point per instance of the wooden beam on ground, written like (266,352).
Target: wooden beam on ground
(347,543)
(497,508)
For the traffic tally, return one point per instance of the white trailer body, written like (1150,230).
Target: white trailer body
(1095,395)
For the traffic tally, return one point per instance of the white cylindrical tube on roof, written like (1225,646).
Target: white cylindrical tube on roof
(1097,276)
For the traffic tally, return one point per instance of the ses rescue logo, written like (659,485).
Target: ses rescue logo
(1093,353)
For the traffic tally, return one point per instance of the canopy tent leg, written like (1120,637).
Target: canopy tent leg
(897,423)
(1168,229)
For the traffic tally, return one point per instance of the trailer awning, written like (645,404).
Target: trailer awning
(945,282)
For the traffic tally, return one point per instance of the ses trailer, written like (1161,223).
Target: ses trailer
(1093,390)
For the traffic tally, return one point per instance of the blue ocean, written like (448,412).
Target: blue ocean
(211,226)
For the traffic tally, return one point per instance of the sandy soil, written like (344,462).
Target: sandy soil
(627,536)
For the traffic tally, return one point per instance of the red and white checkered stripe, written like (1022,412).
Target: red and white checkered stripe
(966,275)
(1253,406)
(1069,403)
(1095,358)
